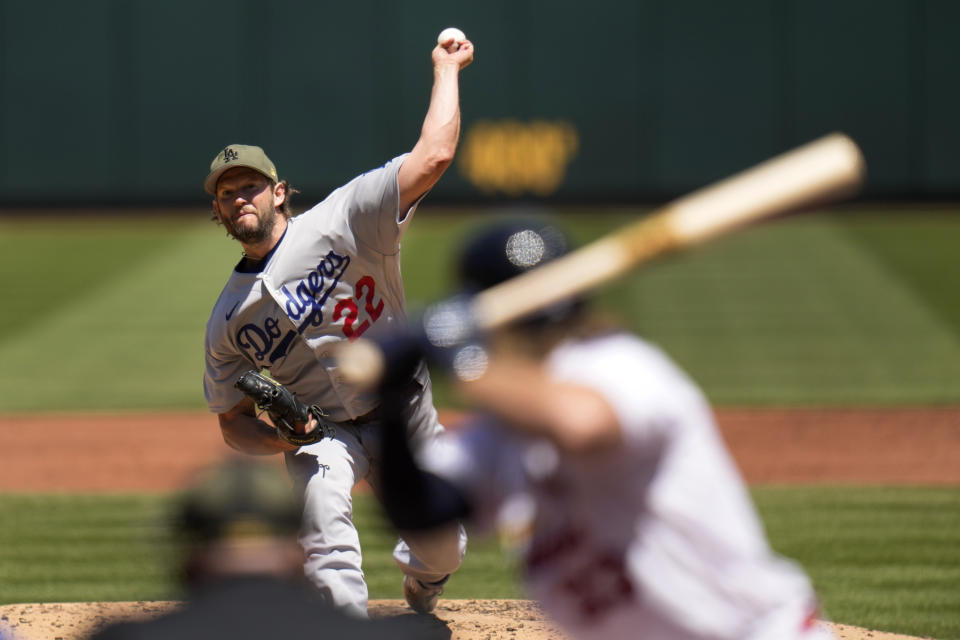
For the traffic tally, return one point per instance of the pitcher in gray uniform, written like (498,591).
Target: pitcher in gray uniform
(303,285)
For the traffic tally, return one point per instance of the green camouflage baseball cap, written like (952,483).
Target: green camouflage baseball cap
(238,497)
(239,155)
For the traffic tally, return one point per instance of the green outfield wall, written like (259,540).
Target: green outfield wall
(128,100)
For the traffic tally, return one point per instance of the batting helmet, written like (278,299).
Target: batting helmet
(509,248)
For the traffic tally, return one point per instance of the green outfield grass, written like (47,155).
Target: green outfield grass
(85,547)
(833,308)
(830,308)
(881,558)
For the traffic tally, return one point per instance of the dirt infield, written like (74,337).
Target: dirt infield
(159,452)
(121,452)
(465,619)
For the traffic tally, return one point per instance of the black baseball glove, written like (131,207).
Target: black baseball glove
(284,409)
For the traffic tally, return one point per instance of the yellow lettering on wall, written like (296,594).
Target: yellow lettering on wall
(514,157)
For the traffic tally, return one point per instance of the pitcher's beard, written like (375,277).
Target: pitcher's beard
(255,234)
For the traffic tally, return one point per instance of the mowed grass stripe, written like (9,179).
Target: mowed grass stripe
(922,253)
(66,547)
(62,547)
(137,343)
(882,558)
(793,313)
(49,264)
(798,311)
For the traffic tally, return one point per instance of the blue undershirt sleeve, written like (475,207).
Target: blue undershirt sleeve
(413,499)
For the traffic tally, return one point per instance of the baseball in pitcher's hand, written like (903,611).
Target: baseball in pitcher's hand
(461,57)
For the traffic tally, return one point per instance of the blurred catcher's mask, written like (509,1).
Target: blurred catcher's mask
(240,499)
(239,155)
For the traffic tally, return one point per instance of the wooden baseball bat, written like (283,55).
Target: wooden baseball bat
(819,172)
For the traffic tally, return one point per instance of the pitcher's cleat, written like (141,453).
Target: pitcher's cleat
(422,596)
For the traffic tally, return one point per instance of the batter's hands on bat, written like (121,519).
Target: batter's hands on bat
(445,335)
(452,339)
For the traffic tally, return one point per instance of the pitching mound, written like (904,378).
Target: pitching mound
(466,619)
